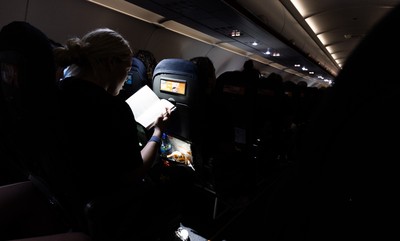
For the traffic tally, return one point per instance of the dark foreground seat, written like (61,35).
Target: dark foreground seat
(32,135)
(26,212)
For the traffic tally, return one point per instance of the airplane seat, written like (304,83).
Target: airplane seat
(235,172)
(33,133)
(235,95)
(268,122)
(25,212)
(226,156)
(176,80)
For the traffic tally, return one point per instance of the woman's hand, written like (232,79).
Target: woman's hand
(162,121)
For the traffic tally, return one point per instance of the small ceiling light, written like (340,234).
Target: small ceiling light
(267,52)
(235,33)
(254,43)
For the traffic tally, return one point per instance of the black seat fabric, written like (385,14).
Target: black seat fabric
(184,72)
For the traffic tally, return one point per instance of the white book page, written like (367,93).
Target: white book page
(146,106)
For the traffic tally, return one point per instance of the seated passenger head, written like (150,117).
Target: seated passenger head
(149,62)
(27,64)
(248,64)
(206,73)
(102,55)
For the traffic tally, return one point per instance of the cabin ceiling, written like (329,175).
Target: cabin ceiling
(278,27)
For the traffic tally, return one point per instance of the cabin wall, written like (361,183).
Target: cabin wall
(62,19)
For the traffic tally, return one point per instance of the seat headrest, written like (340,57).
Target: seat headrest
(176,66)
(138,67)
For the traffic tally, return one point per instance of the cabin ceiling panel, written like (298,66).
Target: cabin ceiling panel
(218,19)
(278,25)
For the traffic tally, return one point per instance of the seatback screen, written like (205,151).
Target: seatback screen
(173,86)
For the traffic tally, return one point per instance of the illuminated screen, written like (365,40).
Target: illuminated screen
(173,86)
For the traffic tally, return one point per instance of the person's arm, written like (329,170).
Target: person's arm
(150,150)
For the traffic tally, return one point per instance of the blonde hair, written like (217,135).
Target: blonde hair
(95,46)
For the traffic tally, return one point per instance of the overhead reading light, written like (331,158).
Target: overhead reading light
(235,33)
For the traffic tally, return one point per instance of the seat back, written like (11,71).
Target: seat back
(176,80)
(233,88)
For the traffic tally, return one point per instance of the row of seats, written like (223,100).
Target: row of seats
(33,132)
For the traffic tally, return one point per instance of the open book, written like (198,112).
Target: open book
(146,106)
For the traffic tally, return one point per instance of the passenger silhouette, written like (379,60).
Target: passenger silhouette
(346,176)
(149,61)
(207,81)
(108,165)
(141,73)
(28,95)
(224,136)
(251,77)
(31,134)
(268,122)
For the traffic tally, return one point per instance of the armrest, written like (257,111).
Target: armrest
(25,212)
